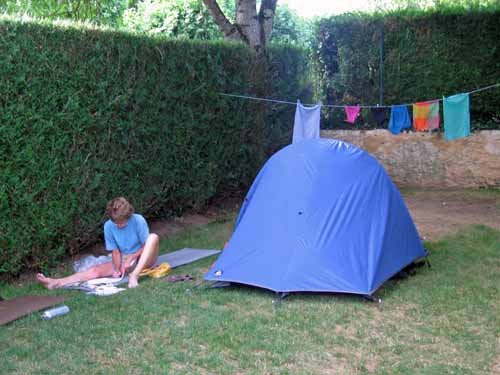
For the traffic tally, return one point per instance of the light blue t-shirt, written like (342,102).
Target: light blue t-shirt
(128,239)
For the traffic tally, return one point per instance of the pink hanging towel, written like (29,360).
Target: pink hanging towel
(351,113)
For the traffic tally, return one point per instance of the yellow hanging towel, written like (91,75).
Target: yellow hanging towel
(159,271)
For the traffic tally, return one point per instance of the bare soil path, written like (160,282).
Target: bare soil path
(440,213)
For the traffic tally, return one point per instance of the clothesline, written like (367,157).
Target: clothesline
(342,106)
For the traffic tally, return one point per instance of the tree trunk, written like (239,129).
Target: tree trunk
(266,19)
(251,28)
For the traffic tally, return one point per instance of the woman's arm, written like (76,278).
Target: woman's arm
(116,261)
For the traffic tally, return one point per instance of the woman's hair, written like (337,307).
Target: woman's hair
(119,209)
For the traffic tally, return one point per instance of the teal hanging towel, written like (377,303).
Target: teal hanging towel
(456,116)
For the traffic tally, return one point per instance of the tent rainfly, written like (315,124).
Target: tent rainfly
(321,216)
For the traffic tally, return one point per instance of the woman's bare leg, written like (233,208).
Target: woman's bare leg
(101,270)
(147,259)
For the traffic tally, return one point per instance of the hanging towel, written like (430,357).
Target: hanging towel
(421,116)
(351,113)
(400,119)
(306,125)
(380,116)
(433,115)
(456,116)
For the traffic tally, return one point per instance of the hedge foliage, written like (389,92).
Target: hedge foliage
(87,115)
(427,55)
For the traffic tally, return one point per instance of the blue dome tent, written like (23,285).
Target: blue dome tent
(321,216)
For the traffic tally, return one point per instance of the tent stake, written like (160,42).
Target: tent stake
(375,299)
(281,296)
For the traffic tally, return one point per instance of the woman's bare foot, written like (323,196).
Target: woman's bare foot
(47,281)
(133,281)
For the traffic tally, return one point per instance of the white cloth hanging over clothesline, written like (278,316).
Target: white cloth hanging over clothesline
(306,124)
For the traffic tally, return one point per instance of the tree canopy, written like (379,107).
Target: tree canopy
(192,19)
(173,18)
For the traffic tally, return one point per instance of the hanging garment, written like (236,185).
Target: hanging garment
(433,115)
(400,119)
(351,113)
(456,116)
(306,125)
(380,116)
(421,116)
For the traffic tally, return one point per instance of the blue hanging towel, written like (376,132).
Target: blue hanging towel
(456,116)
(306,125)
(400,119)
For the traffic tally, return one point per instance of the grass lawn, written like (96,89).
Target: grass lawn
(446,319)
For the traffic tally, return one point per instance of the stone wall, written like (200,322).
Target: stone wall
(427,160)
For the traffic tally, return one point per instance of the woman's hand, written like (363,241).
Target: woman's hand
(134,259)
(116,274)
(131,262)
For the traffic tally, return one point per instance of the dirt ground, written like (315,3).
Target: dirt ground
(436,213)
(440,213)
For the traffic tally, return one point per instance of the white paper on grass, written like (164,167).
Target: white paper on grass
(105,281)
(105,290)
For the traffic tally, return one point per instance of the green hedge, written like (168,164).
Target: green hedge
(87,115)
(428,55)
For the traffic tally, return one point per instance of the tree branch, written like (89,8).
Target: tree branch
(229,30)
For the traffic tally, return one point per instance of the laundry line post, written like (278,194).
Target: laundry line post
(381,66)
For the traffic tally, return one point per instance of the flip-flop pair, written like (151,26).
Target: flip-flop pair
(159,271)
(175,278)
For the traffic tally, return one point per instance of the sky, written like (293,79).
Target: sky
(310,8)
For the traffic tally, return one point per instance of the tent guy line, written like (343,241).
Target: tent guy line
(347,105)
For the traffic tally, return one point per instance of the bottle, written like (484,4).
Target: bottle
(56,311)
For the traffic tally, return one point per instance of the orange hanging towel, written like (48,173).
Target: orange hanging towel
(421,116)
(426,115)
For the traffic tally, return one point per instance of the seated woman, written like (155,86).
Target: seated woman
(132,248)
